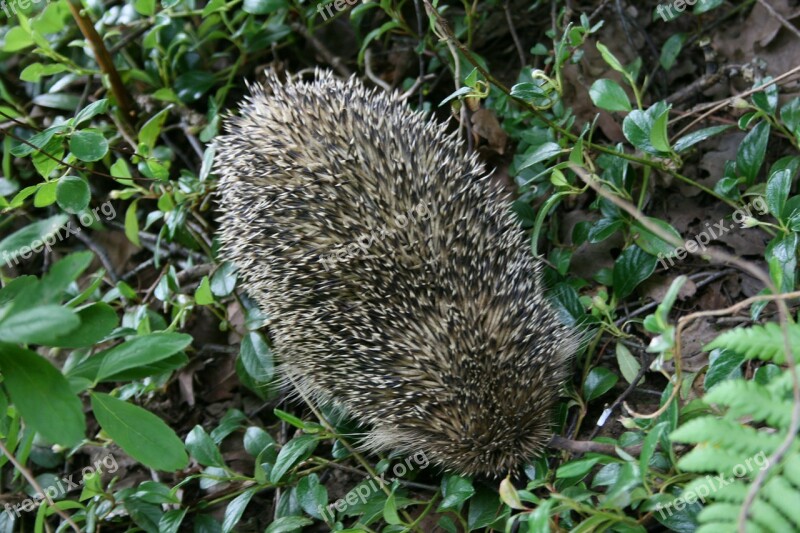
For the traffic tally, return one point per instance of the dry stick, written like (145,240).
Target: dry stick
(326,54)
(726,101)
(785,23)
(105,61)
(32,480)
(783,313)
(514,35)
(586,446)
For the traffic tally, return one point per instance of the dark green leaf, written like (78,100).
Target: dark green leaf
(599,381)
(42,395)
(97,321)
(37,325)
(263,7)
(141,351)
(751,152)
(455,491)
(689,140)
(142,435)
(723,365)
(632,267)
(202,447)
(293,452)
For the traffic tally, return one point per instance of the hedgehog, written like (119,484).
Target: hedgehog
(397,283)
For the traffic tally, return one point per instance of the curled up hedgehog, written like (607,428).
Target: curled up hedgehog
(397,283)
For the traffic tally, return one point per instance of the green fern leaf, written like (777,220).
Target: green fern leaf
(749,398)
(726,434)
(709,459)
(763,342)
(791,469)
(786,498)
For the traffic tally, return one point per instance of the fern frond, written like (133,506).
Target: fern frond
(728,434)
(782,385)
(750,398)
(784,497)
(791,469)
(762,341)
(710,459)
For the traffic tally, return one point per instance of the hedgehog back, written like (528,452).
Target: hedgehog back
(397,283)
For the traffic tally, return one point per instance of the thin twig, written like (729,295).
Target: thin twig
(35,484)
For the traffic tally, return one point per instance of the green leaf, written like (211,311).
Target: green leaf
(140,351)
(256,440)
(292,453)
(312,495)
(779,184)
(142,435)
(609,95)
(723,365)
(658,135)
(543,152)
(263,7)
(235,509)
(628,365)
(40,140)
(90,111)
(17,39)
(599,381)
(704,6)
(97,321)
(750,155)
(653,244)
(288,524)
(191,86)
(223,281)
(88,145)
(455,491)
(42,395)
(202,447)
(671,50)
(36,71)
(689,140)
(72,194)
(37,325)
(390,515)
(151,130)
(374,34)
(257,357)
(132,223)
(609,58)
(577,468)
(632,267)
(203,293)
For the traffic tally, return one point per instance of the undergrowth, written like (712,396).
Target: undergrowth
(138,383)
